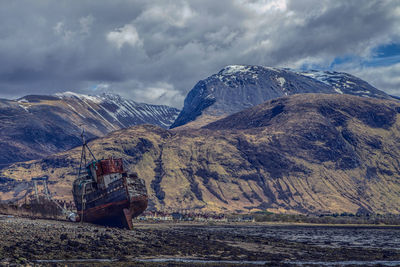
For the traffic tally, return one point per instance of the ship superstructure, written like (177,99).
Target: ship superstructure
(104,193)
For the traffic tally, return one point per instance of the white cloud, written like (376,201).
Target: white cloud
(124,35)
(263,6)
(159,93)
(59,27)
(386,78)
(86,24)
(69,32)
(171,45)
(175,14)
(100,88)
(61,30)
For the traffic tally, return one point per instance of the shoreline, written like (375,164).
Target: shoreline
(210,223)
(39,241)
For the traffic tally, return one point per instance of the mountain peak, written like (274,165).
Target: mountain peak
(235,69)
(69,94)
(237,87)
(105,96)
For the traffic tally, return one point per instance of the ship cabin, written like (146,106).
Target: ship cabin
(102,176)
(106,171)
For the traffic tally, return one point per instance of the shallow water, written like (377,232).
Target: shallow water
(75,260)
(200,261)
(237,244)
(326,236)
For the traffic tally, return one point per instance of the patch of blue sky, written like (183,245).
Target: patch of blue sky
(382,61)
(385,51)
(384,55)
(344,60)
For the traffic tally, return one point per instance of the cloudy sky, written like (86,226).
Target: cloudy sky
(155,51)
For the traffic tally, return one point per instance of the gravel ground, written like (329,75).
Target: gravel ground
(46,242)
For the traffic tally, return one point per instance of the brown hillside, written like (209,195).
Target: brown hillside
(311,153)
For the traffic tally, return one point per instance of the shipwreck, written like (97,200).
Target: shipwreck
(104,193)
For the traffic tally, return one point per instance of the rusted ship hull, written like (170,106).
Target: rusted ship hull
(113,201)
(118,214)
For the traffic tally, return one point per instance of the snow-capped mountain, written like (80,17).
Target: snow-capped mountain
(237,87)
(38,125)
(119,112)
(344,83)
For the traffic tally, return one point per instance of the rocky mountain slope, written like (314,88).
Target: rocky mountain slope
(310,153)
(238,87)
(36,126)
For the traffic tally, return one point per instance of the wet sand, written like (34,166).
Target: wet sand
(46,242)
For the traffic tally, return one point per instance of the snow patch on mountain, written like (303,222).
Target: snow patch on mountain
(315,74)
(233,69)
(23,100)
(114,109)
(244,69)
(82,97)
(281,81)
(338,90)
(24,108)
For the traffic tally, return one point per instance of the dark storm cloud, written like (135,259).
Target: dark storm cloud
(344,27)
(155,51)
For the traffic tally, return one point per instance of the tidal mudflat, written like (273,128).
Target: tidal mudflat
(46,242)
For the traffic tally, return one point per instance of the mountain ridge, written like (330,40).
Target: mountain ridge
(309,154)
(36,126)
(237,87)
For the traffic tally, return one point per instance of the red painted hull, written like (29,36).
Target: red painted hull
(118,214)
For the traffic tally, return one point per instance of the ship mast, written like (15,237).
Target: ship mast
(83,153)
(84,160)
